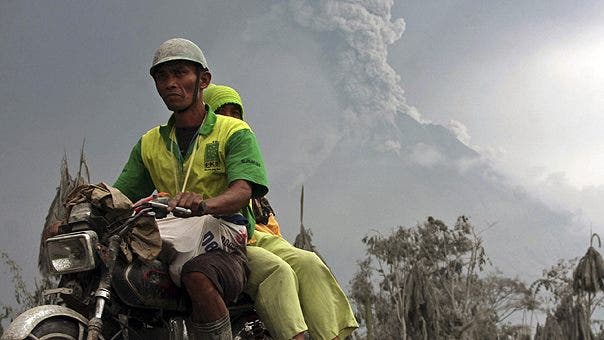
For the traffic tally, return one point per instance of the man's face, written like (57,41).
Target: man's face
(175,83)
(230,110)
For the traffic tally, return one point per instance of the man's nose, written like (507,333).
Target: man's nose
(171,82)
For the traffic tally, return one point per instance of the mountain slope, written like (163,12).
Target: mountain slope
(363,188)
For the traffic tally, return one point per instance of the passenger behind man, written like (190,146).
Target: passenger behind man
(325,310)
(209,164)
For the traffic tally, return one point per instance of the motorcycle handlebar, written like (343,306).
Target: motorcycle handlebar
(183,212)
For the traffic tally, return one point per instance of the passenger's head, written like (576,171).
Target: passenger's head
(224,100)
(180,72)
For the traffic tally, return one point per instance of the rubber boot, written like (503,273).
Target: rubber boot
(215,330)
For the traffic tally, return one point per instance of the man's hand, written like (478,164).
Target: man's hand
(189,200)
(233,199)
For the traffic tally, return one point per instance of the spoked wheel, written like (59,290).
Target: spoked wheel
(59,328)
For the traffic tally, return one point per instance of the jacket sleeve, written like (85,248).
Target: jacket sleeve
(135,181)
(244,161)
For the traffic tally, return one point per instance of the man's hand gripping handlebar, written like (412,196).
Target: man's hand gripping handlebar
(159,205)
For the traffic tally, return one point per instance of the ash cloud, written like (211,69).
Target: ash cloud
(426,155)
(460,131)
(370,85)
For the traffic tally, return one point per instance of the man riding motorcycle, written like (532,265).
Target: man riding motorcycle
(209,164)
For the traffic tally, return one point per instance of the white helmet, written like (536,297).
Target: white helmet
(178,49)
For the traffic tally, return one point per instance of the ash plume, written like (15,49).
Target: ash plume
(369,84)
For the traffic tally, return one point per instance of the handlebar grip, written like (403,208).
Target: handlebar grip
(184,212)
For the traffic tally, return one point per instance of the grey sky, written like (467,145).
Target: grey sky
(525,77)
(79,69)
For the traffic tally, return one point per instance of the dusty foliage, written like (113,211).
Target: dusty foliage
(570,321)
(589,274)
(304,238)
(57,212)
(421,299)
(550,331)
(570,297)
(423,283)
(24,297)
(555,284)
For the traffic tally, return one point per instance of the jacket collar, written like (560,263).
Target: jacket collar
(205,129)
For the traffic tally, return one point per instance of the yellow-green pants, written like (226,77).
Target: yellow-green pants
(294,291)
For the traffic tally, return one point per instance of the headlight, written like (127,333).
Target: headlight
(71,253)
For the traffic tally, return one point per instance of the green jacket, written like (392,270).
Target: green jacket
(225,150)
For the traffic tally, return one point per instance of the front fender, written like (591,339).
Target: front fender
(28,320)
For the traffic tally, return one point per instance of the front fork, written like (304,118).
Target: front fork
(103,293)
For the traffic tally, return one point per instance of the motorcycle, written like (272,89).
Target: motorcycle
(103,296)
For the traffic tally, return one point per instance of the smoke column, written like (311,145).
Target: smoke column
(368,83)
(355,35)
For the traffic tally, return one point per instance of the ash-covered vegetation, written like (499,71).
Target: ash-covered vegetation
(435,281)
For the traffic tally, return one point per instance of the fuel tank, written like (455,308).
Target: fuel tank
(148,285)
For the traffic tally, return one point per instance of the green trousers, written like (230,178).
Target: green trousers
(294,291)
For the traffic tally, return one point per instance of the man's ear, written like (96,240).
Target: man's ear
(204,79)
